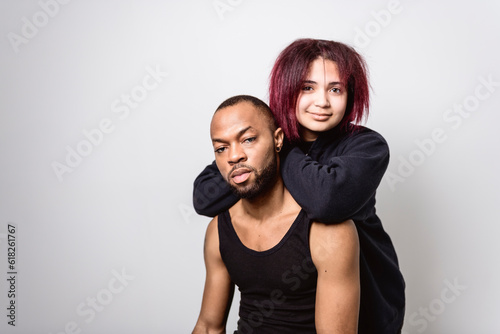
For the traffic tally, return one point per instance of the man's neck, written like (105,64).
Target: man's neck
(269,204)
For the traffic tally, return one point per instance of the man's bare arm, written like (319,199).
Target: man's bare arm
(219,289)
(335,253)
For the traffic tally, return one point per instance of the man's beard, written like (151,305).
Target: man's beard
(263,181)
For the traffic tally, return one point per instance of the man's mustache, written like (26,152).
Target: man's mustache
(238,166)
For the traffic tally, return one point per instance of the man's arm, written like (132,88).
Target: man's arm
(335,253)
(219,289)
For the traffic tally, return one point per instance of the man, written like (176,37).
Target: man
(295,276)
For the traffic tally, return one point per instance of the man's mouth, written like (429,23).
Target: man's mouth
(240,175)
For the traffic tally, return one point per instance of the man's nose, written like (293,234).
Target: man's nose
(236,154)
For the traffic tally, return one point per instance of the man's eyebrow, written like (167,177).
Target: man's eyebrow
(240,133)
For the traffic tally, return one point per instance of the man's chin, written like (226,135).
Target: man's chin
(256,184)
(245,191)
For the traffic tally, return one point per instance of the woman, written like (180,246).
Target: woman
(332,167)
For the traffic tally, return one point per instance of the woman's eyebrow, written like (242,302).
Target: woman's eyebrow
(315,83)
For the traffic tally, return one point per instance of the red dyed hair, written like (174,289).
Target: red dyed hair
(290,71)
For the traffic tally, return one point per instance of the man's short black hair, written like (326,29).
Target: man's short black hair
(256,102)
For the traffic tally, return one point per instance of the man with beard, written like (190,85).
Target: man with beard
(294,275)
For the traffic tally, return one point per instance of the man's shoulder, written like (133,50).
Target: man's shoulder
(212,227)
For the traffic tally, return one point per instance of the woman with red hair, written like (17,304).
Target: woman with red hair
(318,94)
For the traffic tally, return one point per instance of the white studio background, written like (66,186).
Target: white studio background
(104,116)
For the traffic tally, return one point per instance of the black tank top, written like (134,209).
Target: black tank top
(278,286)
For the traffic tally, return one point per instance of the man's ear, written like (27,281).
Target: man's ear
(278,139)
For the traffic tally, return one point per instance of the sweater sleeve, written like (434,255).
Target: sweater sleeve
(211,193)
(333,192)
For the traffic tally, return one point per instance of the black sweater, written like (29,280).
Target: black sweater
(337,180)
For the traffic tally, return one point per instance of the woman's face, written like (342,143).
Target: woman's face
(322,100)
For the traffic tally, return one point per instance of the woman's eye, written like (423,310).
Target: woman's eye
(307,88)
(335,90)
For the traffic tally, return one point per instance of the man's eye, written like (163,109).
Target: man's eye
(220,150)
(249,140)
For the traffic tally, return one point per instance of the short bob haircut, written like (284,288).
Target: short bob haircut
(290,71)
